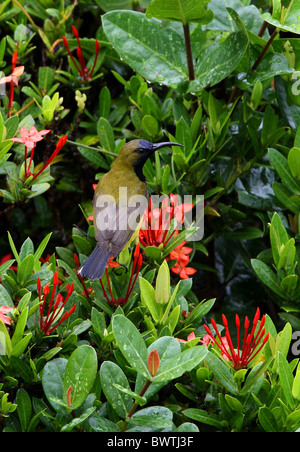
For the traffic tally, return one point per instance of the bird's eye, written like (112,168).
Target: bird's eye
(141,151)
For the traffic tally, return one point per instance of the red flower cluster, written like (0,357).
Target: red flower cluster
(83,71)
(49,316)
(136,267)
(156,231)
(181,254)
(156,226)
(252,344)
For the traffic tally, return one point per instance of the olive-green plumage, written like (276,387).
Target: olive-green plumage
(124,180)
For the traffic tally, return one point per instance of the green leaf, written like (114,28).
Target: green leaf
(294,162)
(52,382)
(106,134)
(5,298)
(267,277)
(296,385)
(286,197)
(11,125)
(80,374)
(286,379)
(46,76)
(267,420)
(20,327)
(278,236)
(289,284)
(203,417)
(100,424)
(24,408)
(280,164)
(148,298)
(287,255)
(180,10)
(111,5)
(253,379)
(6,346)
(222,21)
(131,344)
(291,20)
(25,270)
(39,252)
(21,346)
(203,308)
(162,287)
(13,248)
(111,373)
(155,52)
(218,61)
(222,372)
(154,418)
(78,420)
(284,339)
(184,362)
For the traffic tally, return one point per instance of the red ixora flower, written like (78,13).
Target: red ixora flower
(49,316)
(60,144)
(253,341)
(83,71)
(181,255)
(156,225)
(137,264)
(12,79)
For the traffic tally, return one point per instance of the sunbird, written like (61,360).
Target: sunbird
(116,218)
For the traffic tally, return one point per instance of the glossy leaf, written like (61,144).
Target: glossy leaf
(184,362)
(267,276)
(280,164)
(294,162)
(222,372)
(24,408)
(218,61)
(52,381)
(80,375)
(131,344)
(286,379)
(267,420)
(157,53)
(180,10)
(291,20)
(120,402)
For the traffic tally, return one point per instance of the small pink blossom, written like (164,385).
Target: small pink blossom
(30,137)
(3,311)
(13,77)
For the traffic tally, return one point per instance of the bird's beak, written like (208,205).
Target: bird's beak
(163,145)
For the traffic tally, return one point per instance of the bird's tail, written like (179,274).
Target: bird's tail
(94,266)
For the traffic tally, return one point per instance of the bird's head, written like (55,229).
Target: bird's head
(135,153)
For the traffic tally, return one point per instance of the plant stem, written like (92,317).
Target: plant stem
(264,50)
(135,405)
(85,146)
(189,55)
(237,92)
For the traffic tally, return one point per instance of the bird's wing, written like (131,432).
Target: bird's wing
(115,223)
